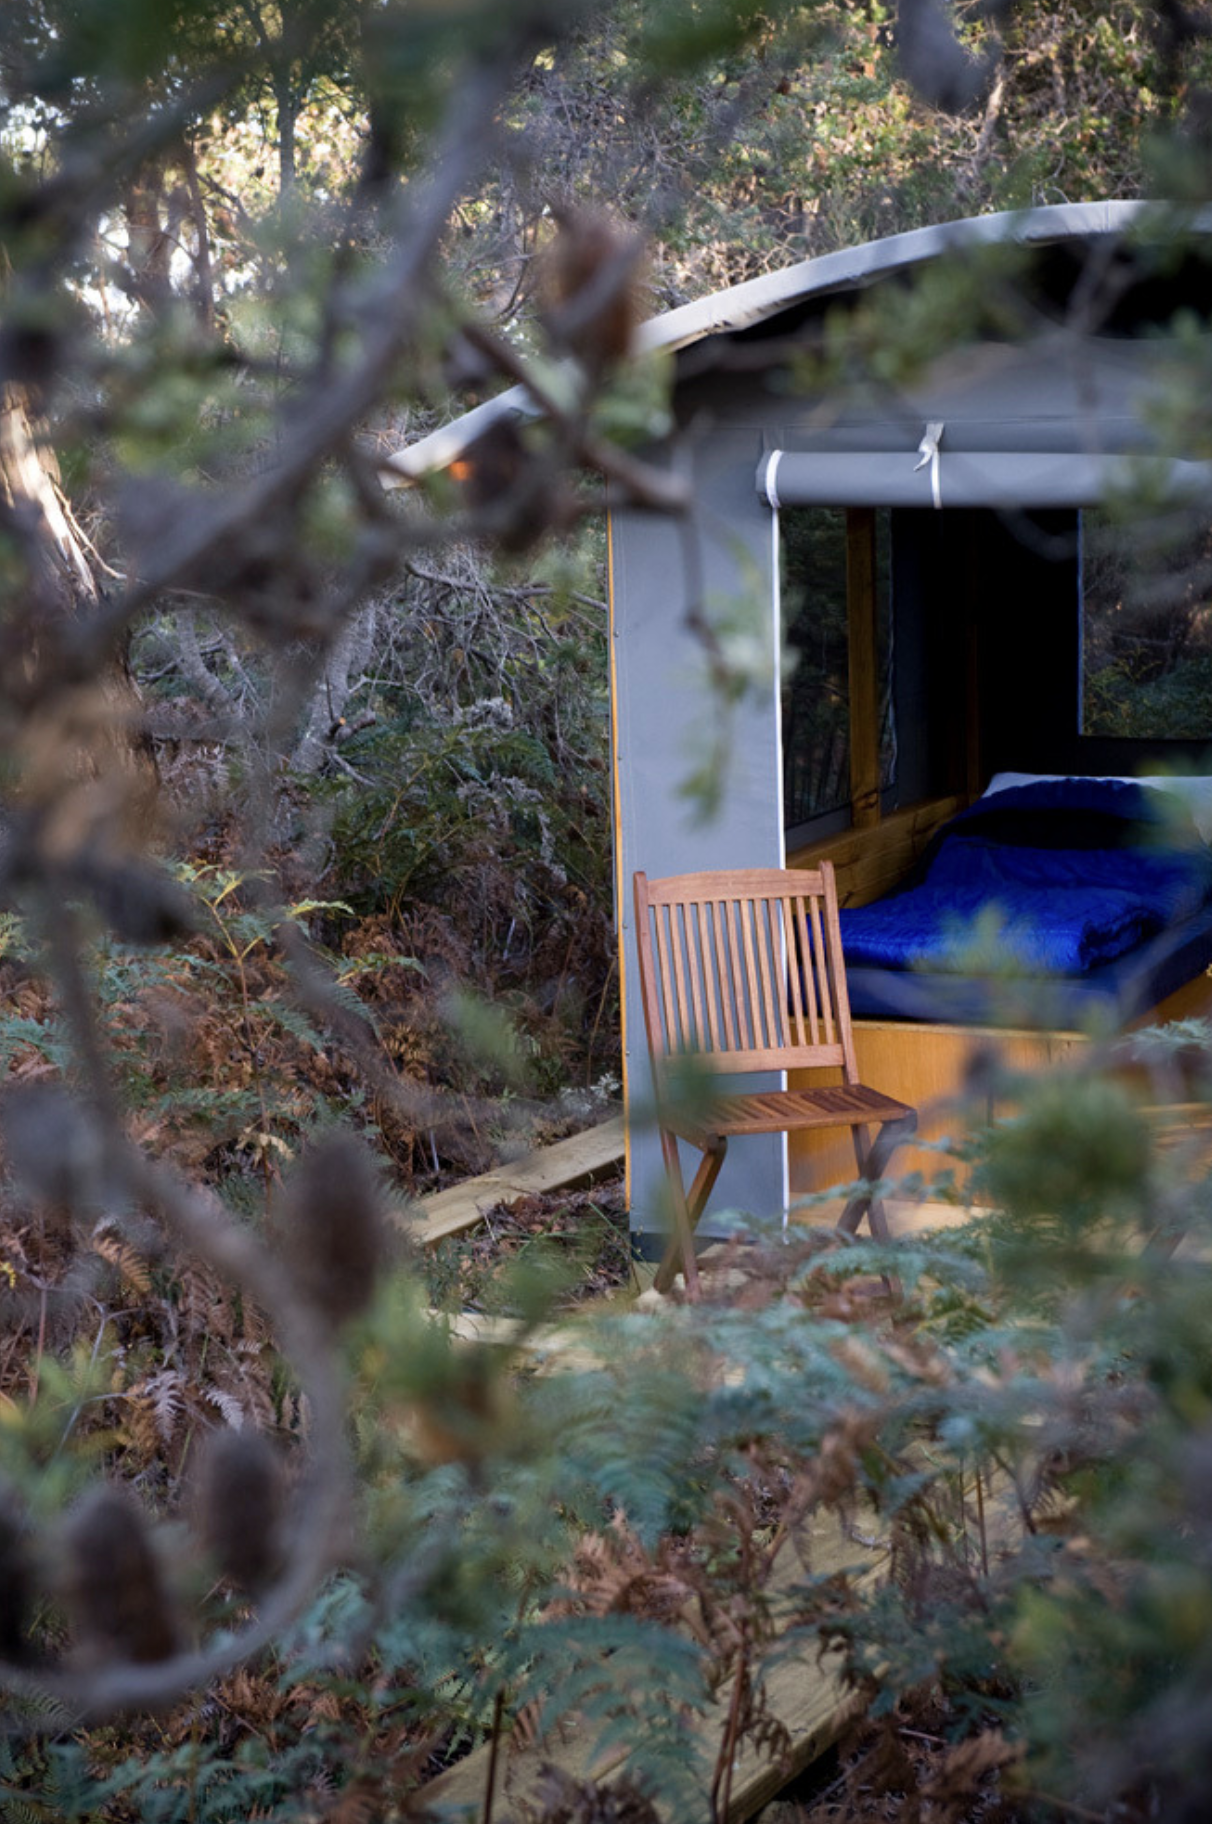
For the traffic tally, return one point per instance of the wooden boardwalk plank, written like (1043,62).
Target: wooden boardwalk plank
(568,1164)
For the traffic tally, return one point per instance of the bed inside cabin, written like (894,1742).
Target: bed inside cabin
(999,728)
(1067,902)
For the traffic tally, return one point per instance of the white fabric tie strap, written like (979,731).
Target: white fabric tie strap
(772,470)
(928,450)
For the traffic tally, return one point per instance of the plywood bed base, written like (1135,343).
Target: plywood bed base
(928,1066)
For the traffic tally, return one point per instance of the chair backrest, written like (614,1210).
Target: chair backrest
(744,969)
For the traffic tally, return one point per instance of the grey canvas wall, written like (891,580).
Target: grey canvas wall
(665,715)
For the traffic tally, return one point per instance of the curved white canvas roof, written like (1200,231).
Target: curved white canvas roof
(753,301)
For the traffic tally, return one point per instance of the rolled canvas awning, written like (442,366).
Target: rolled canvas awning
(931,475)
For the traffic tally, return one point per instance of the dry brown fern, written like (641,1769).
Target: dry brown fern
(134,1272)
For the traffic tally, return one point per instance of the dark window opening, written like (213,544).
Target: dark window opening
(817,760)
(1146,637)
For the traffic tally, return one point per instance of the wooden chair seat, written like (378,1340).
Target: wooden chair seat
(785,1111)
(743,972)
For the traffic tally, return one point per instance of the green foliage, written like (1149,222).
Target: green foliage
(1117,703)
(1146,665)
(1078,1151)
(473,817)
(206,1042)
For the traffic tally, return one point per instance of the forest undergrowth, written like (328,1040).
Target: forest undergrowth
(1008,1423)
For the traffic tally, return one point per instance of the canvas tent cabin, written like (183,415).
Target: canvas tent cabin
(924,549)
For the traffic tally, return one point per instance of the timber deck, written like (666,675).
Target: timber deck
(804,1692)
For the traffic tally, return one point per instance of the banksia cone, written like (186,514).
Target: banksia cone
(493,466)
(590,284)
(466,1411)
(333,1229)
(54,1145)
(518,492)
(16,1582)
(238,1506)
(113,1587)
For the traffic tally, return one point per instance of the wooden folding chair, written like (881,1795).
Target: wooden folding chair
(743,971)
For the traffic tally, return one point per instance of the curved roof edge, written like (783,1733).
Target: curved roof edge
(753,300)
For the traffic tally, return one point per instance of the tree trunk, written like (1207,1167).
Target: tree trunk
(59,568)
(288,120)
(82,753)
(339,679)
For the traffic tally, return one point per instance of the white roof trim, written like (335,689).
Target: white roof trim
(741,306)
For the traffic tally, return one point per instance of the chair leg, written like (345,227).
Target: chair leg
(703,1182)
(873,1161)
(686,1211)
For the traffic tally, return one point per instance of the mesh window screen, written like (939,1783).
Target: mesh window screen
(816,710)
(1146,628)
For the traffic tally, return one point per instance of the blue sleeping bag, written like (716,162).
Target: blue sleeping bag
(1053,879)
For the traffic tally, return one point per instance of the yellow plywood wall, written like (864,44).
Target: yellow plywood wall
(931,1068)
(928,1067)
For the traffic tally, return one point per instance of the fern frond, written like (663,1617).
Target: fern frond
(599,1667)
(16,1807)
(292,1020)
(251,1383)
(227,1404)
(166,1395)
(48,1040)
(133,1270)
(338,990)
(303,908)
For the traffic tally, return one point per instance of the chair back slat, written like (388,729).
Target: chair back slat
(706,948)
(820,956)
(800,1030)
(744,969)
(772,965)
(697,973)
(663,981)
(729,956)
(750,1001)
(833,938)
